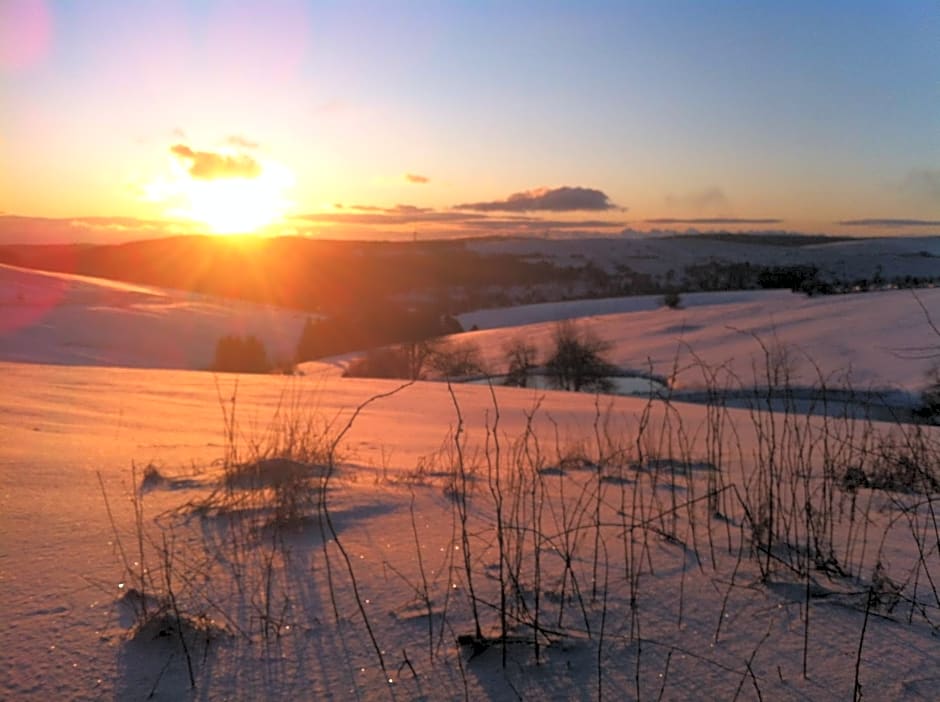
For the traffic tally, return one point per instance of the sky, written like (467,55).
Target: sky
(391,119)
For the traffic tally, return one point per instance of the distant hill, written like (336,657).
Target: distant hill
(458,275)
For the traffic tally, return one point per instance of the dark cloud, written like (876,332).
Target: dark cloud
(890,222)
(241,142)
(563,199)
(713,220)
(923,184)
(417,179)
(711,198)
(208,165)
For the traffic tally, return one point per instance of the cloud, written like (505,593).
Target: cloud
(409,209)
(563,199)
(241,142)
(369,216)
(46,230)
(710,198)
(923,184)
(417,179)
(397,209)
(469,222)
(116,223)
(208,165)
(890,222)
(536,224)
(713,220)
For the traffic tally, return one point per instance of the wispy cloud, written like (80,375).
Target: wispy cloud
(116,222)
(711,198)
(452,220)
(563,199)
(922,183)
(417,179)
(241,142)
(397,209)
(369,216)
(47,230)
(392,222)
(890,222)
(713,220)
(209,165)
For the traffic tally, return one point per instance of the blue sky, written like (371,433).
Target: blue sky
(808,113)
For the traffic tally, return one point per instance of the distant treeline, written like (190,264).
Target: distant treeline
(365,294)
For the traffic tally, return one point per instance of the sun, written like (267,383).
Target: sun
(229,205)
(237,205)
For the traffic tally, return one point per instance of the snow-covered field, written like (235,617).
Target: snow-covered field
(869,341)
(580,547)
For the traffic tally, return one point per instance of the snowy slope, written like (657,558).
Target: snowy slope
(60,318)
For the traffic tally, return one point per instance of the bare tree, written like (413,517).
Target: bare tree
(522,360)
(457,359)
(577,362)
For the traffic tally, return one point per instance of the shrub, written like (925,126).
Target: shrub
(929,409)
(240,354)
(577,362)
(895,471)
(672,299)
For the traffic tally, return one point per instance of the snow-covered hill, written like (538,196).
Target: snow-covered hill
(70,319)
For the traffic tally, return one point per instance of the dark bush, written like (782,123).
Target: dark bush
(795,277)
(672,299)
(930,398)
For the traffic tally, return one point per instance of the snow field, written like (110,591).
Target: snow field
(158,524)
(613,550)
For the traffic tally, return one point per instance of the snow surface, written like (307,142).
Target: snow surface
(77,320)
(68,635)
(704,622)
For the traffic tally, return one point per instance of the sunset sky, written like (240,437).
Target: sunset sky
(381,119)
